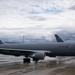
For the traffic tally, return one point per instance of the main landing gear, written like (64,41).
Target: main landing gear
(35,60)
(26,60)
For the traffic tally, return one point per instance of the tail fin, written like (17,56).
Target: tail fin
(1,42)
(58,38)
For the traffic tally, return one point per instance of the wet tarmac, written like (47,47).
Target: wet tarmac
(10,65)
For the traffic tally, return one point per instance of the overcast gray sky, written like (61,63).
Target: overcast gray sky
(37,17)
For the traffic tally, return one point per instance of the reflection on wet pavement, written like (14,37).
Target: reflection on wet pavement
(10,65)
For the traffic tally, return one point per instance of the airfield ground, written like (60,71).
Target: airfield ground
(48,67)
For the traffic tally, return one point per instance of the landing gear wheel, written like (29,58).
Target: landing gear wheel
(26,60)
(35,60)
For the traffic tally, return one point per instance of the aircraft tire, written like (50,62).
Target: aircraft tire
(35,60)
(26,60)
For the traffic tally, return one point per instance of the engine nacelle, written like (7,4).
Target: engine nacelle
(38,56)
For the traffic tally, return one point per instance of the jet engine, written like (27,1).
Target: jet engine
(38,56)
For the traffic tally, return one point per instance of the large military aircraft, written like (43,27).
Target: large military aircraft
(39,51)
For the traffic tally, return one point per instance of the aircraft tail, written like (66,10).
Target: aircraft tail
(1,42)
(58,38)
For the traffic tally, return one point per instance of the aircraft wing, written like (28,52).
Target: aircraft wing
(23,51)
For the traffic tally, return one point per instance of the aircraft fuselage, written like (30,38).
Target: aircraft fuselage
(56,49)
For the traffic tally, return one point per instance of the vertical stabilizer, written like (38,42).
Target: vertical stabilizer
(58,38)
(1,42)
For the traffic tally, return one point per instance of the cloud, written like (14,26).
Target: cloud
(39,18)
(72,7)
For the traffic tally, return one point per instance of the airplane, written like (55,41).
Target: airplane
(39,51)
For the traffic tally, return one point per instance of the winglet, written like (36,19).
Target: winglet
(1,42)
(58,38)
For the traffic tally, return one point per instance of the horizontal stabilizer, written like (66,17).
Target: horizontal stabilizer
(1,42)
(58,38)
